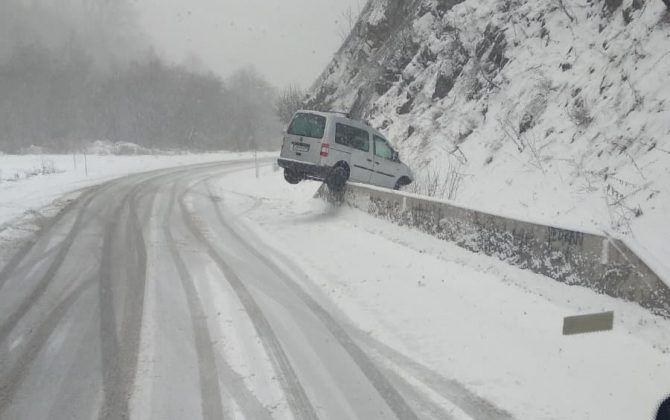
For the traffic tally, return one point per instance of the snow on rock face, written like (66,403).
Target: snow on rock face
(551,110)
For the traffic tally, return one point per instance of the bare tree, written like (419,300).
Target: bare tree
(438,183)
(254,123)
(290,100)
(580,112)
(347,20)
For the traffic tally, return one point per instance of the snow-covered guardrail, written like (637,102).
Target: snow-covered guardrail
(604,264)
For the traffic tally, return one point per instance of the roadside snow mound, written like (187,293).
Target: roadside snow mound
(554,111)
(105,147)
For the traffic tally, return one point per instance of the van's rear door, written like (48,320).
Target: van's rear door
(304,137)
(355,142)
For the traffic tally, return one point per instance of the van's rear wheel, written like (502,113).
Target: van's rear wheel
(337,179)
(292,177)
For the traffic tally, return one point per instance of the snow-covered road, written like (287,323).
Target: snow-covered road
(202,292)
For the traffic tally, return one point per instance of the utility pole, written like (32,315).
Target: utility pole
(252,138)
(256,163)
(73,147)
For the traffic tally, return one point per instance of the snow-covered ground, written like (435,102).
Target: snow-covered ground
(449,322)
(491,327)
(30,182)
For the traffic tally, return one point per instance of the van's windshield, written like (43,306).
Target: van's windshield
(308,125)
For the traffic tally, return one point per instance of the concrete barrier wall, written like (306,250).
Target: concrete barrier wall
(601,263)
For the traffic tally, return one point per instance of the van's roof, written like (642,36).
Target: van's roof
(326,113)
(342,117)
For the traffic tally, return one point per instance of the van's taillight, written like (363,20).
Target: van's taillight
(325,150)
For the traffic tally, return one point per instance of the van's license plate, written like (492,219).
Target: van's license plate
(300,147)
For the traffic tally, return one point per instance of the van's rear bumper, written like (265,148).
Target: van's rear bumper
(305,170)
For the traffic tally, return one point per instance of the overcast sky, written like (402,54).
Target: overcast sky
(288,41)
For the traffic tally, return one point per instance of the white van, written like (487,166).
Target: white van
(330,147)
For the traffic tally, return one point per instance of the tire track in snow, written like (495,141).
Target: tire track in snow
(424,405)
(12,381)
(298,401)
(17,373)
(63,248)
(24,268)
(50,322)
(112,375)
(391,396)
(468,402)
(251,407)
(42,285)
(232,381)
(211,403)
(212,406)
(44,231)
(21,254)
(120,355)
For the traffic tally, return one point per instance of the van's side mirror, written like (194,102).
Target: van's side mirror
(396,156)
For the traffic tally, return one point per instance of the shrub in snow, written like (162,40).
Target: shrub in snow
(526,122)
(407,106)
(104,147)
(612,5)
(126,148)
(580,113)
(100,147)
(438,183)
(32,150)
(47,167)
(288,102)
(491,49)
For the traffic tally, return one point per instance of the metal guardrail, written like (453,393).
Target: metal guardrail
(603,264)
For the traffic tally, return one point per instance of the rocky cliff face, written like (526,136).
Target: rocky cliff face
(556,110)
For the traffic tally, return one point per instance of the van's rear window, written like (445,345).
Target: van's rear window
(308,125)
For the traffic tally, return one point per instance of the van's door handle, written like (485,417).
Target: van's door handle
(369,160)
(377,163)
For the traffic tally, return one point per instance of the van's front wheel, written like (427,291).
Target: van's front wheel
(402,182)
(292,177)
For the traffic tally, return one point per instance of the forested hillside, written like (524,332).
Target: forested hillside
(77,71)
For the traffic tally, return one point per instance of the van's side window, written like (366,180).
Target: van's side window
(382,148)
(352,137)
